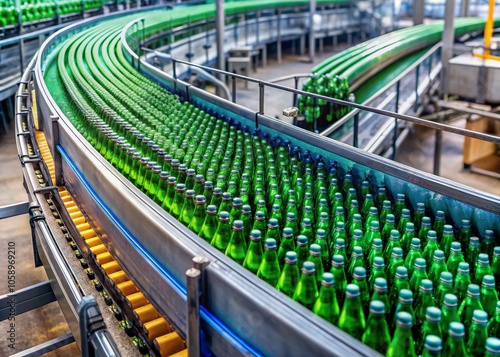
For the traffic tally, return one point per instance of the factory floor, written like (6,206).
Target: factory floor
(46,323)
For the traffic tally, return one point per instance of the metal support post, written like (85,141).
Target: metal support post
(395,133)
(219,35)
(418,12)
(278,40)
(55,153)
(193,277)
(438,148)
(417,78)
(448,40)
(356,129)
(465,8)
(233,83)
(21,54)
(261,98)
(174,75)
(312,41)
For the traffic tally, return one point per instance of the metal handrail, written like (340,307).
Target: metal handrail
(262,84)
(380,92)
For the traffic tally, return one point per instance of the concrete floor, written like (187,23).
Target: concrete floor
(48,322)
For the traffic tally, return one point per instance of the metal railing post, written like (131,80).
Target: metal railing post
(233,79)
(438,147)
(417,75)
(356,129)
(395,133)
(261,98)
(174,73)
(193,277)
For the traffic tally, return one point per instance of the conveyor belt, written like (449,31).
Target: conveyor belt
(157,331)
(101,89)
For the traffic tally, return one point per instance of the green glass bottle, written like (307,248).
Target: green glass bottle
(216,197)
(395,262)
(389,226)
(278,215)
(287,244)
(170,196)
(161,192)
(405,218)
(408,235)
(352,317)
(377,271)
(472,253)
(492,347)
(291,222)
(253,258)
(246,217)
(402,344)
(353,209)
(444,287)
(222,235)
(321,240)
(400,281)
(237,246)
(351,196)
(493,327)
(356,241)
(372,217)
(405,303)
(449,314)
(381,293)
(225,204)
(339,216)
(399,205)
(418,217)
(199,214)
(454,345)
(273,231)
(209,227)
(359,279)
(430,327)
(464,234)
(476,343)
(306,230)
(482,268)
(290,275)
(315,257)
(425,227)
(456,257)
(471,302)
(432,347)
(302,249)
(340,281)
(260,222)
(462,281)
(199,184)
(236,210)
(371,234)
(356,260)
(376,251)
(190,179)
(489,295)
(381,197)
(178,202)
(326,304)
(414,254)
(376,334)
(437,267)
(447,239)
(356,223)
(424,300)
(386,209)
(368,203)
(306,292)
(269,269)
(488,242)
(394,242)
(188,208)
(439,222)
(339,233)
(431,246)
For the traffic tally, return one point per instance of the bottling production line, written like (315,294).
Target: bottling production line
(111,250)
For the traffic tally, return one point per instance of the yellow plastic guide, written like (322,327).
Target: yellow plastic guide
(488,33)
